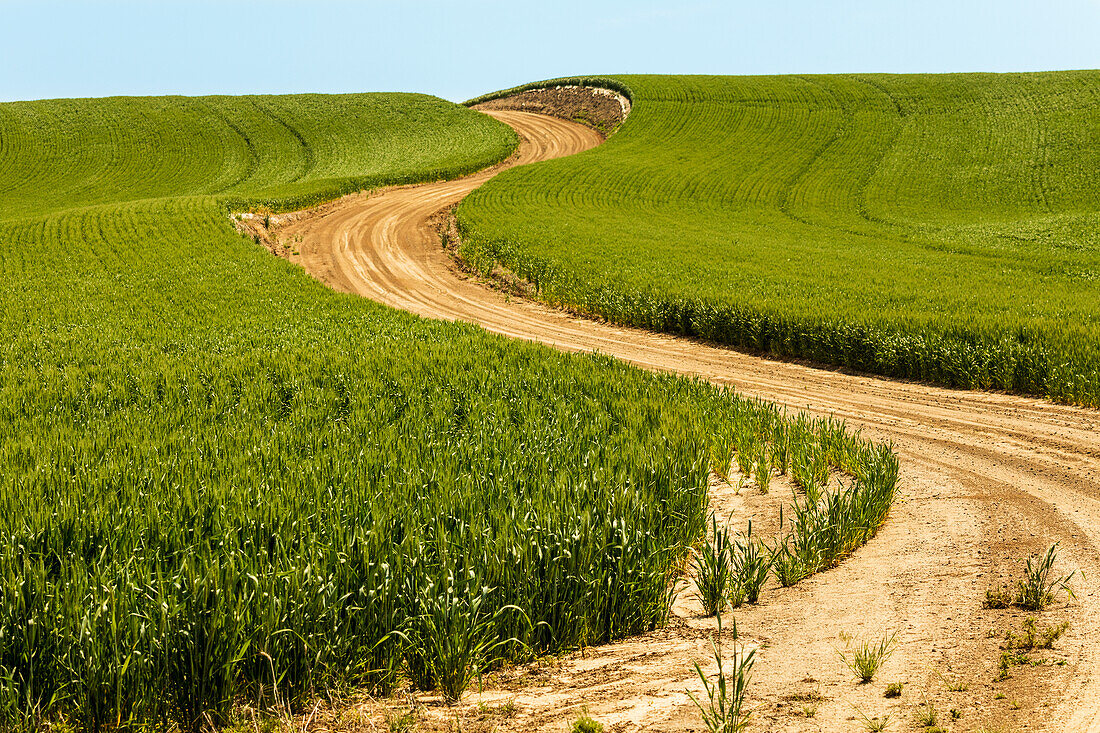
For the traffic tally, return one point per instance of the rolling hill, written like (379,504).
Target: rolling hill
(931,227)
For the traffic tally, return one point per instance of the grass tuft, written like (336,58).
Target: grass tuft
(868,656)
(1037,590)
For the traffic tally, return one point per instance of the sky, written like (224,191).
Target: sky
(456,50)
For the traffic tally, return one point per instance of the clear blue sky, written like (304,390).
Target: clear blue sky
(456,50)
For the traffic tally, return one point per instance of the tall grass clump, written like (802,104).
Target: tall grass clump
(751,566)
(1037,590)
(452,634)
(728,570)
(713,569)
(822,531)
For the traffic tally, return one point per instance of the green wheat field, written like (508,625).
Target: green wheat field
(222,483)
(942,228)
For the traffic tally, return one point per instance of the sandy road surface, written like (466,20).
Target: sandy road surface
(986,478)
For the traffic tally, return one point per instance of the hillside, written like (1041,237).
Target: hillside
(936,227)
(69,153)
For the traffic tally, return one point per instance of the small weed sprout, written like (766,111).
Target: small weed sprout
(874,724)
(1008,660)
(894,689)
(403,723)
(951,684)
(809,702)
(868,657)
(998,598)
(724,709)
(1035,638)
(926,715)
(585,724)
(503,710)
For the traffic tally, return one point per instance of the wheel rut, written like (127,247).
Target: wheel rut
(986,478)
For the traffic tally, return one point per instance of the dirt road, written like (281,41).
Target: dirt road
(986,479)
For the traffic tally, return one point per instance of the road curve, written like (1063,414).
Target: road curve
(986,478)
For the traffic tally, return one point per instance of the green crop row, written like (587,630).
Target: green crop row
(932,227)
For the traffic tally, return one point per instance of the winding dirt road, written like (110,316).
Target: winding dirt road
(986,479)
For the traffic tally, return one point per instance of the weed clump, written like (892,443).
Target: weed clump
(1038,588)
(1034,637)
(1031,638)
(585,724)
(868,656)
(1008,660)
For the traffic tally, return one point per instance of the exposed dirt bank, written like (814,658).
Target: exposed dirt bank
(602,109)
(986,479)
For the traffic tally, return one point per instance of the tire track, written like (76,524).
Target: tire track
(986,478)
